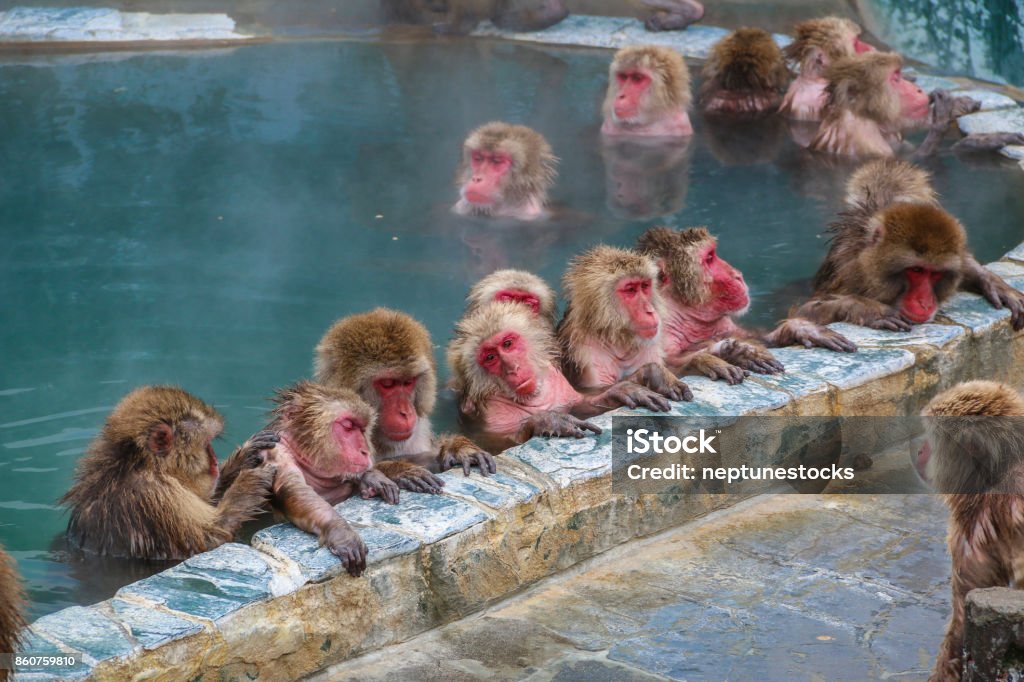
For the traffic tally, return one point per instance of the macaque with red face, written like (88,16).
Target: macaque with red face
(514,286)
(611,330)
(702,293)
(506,171)
(648,93)
(816,44)
(973,454)
(387,358)
(504,365)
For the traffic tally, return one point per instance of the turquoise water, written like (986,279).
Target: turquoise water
(200,218)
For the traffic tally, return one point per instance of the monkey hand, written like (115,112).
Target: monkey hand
(344,542)
(632,395)
(714,367)
(553,424)
(657,378)
(461,451)
(998,293)
(255,449)
(375,483)
(886,318)
(945,108)
(986,142)
(749,356)
(419,480)
(810,334)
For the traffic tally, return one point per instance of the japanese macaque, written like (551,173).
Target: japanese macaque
(462,16)
(701,294)
(506,171)
(744,75)
(646,177)
(896,256)
(648,93)
(973,454)
(387,358)
(12,608)
(816,44)
(611,330)
(672,15)
(144,490)
(514,286)
(504,365)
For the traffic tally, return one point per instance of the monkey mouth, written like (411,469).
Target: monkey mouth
(526,387)
(648,332)
(398,435)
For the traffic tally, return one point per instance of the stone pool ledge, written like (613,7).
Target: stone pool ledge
(282,607)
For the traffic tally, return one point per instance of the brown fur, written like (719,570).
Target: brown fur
(131,501)
(882,182)
(675,251)
(825,40)
(591,311)
(473,384)
(670,77)
(483,292)
(859,85)
(744,74)
(975,434)
(359,348)
(306,411)
(534,165)
(12,608)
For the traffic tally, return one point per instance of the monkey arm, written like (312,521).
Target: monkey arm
(553,424)
(797,331)
(248,455)
(660,379)
(945,109)
(622,394)
(244,499)
(702,362)
(979,280)
(855,310)
(301,505)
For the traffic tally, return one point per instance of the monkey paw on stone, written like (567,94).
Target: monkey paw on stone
(750,357)
(554,425)
(467,455)
(810,334)
(889,320)
(715,368)
(633,395)
(418,479)
(374,483)
(345,543)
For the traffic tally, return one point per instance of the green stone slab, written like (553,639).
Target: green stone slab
(85,629)
(1007,269)
(717,398)
(845,370)
(149,627)
(934,335)
(1017,254)
(973,312)
(32,643)
(567,460)
(499,491)
(427,517)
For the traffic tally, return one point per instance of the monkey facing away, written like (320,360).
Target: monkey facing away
(504,365)
(744,75)
(387,358)
(506,171)
(896,256)
(701,294)
(611,330)
(973,454)
(516,286)
(12,608)
(145,488)
(648,93)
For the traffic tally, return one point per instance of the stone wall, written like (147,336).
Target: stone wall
(994,635)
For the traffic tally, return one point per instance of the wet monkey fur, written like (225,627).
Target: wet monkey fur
(506,171)
(973,454)
(387,358)
(744,75)
(648,93)
(144,489)
(516,286)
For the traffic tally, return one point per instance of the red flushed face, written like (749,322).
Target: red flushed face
(913,100)
(729,292)
(635,296)
(489,171)
(860,47)
(350,434)
(919,304)
(397,418)
(631,86)
(506,356)
(519,296)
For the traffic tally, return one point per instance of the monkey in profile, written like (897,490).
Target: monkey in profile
(973,454)
(745,75)
(12,608)
(144,489)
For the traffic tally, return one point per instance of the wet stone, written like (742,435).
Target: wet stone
(85,629)
(499,490)
(935,335)
(596,671)
(209,585)
(567,460)
(999,121)
(150,627)
(32,643)
(990,100)
(427,517)
(1007,269)
(82,24)
(845,370)
(795,381)
(1013,151)
(972,311)
(1017,254)
(717,398)
(317,563)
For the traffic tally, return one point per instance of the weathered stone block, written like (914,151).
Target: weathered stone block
(1016,254)
(999,121)
(566,460)
(1013,151)
(85,629)
(33,643)
(994,634)
(150,627)
(717,398)
(427,517)
(972,311)
(1007,269)
(498,491)
(934,335)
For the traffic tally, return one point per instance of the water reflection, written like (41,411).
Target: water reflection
(646,178)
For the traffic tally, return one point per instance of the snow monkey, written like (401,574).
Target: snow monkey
(517,286)
(506,171)
(744,75)
(387,358)
(504,365)
(816,44)
(611,330)
(973,454)
(896,256)
(12,608)
(701,294)
(145,488)
(648,93)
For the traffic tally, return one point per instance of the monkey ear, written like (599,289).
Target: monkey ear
(161,438)
(875,231)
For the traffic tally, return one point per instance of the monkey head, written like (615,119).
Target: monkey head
(914,259)
(872,86)
(505,168)
(819,42)
(387,358)
(500,349)
(325,428)
(690,272)
(882,182)
(747,62)
(973,438)
(517,286)
(645,83)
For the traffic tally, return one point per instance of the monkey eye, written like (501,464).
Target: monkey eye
(490,357)
(646,286)
(622,77)
(478,157)
(918,269)
(348,424)
(637,77)
(507,343)
(387,383)
(408,383)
